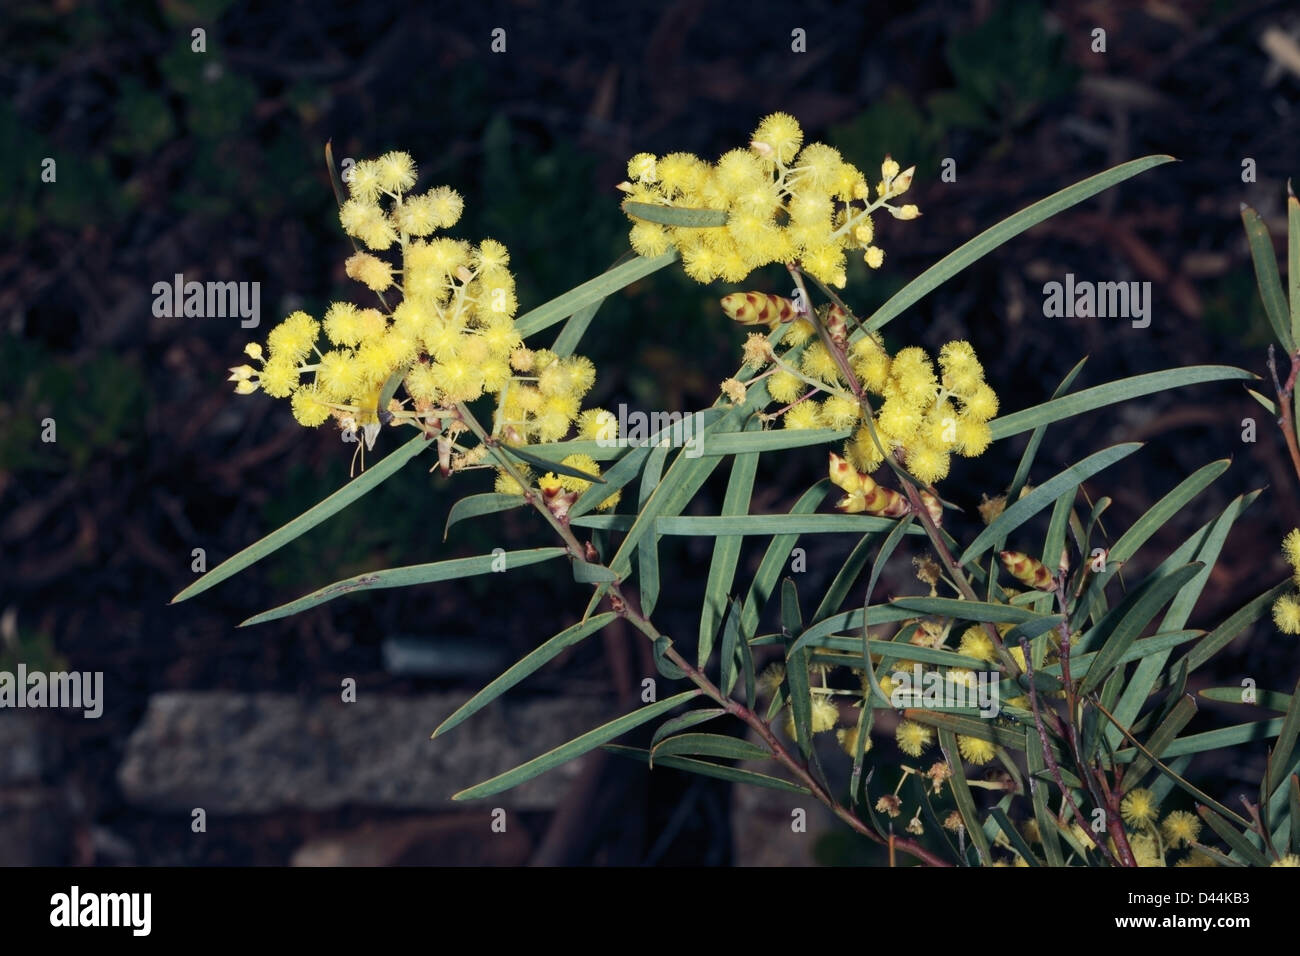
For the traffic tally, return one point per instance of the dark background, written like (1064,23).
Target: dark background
(212,165)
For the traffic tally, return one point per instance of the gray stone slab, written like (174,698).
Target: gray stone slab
(255,753)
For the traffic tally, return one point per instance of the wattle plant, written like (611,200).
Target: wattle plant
(1036,698)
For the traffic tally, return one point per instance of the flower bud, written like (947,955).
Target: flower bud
(933,506)
(843,475)
(758,308)
(837,327)
(902,182)
(1027,570)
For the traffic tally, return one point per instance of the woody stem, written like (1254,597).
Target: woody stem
(1284,403)
(796,766)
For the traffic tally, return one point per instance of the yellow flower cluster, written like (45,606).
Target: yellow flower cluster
(1286,609)
(451,338)
(784,204)
(924,419)
(553,485)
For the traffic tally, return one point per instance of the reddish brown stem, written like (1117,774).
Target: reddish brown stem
(1284,404)
(1048,757)
(620,604)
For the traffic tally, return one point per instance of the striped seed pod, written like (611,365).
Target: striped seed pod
(1027,570)
(758,308)
(864,494)
(933,506)
(883,501)
(854,503)
(843,475)
(837,326)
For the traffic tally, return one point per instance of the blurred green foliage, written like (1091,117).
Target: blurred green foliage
(1006,69)
(1234,312)
(83,192)
(33,649)
(97,403)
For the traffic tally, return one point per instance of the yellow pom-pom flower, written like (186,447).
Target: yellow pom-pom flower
(975,750)
(825,715)
(308,407)
(805,415)
(395,172)
(370,271)
(1286,614)
(778,138)
(1139,807)
(1180,828)
(913,737)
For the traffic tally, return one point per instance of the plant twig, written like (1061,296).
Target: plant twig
(1284,405)
(794,765)
(1050,758)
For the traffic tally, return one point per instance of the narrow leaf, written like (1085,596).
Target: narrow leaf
(586,573)
(1183,711)
(774,560)
(726,553)
(719,771)
(1132,616)
(575,328)
(1111,393)
(678,216)
(796,669)
(1045,494)
(545,465)
(593,290)
(410,575)
(1012,226)
(845,578)
(574,748)
(1293,260)
(962,795)
(1036,437)
(1233,837)
(780,439)
(476,505)
(722,525)
(1267,277)
(1286,739)
(1223,635)
(964,610)
(367,481)
(709,745)
(1013,835)
(527,665)
(1038,790)
(687,720)
(730,639)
